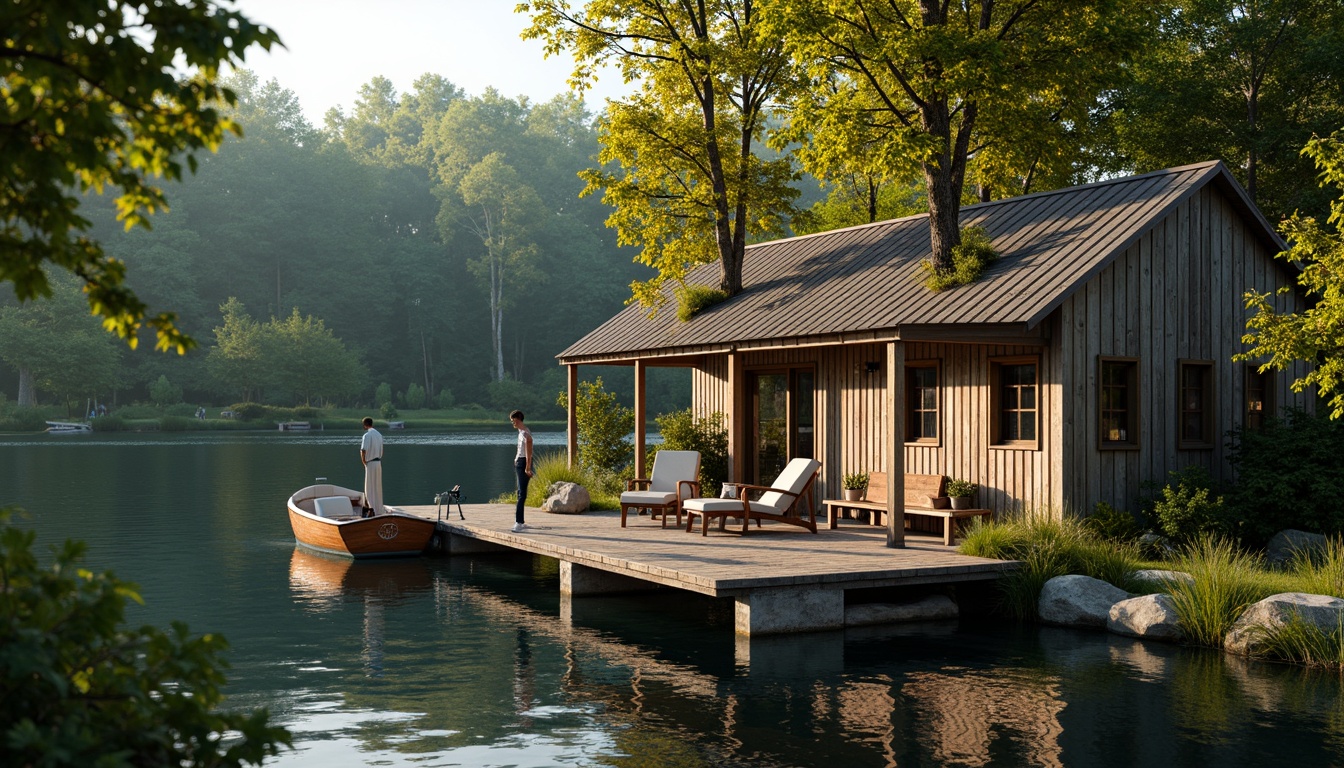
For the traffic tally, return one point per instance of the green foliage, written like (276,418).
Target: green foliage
(178,424)
(858,197)
(960,488)
(387,411)
(1289,475)
(1226,581)
(445,399)
(87,111)
(1189,509)
(249,411)
(1047,548)
(510,394)
(1109,523)
(109,423)
(1315,335)
(1320,571)
(415,396)
(25,420)
(553,467)
(681,160)
(603,426)
(854,481)
(382,394)
(969,260)
(693,299)
(684,431)
(1301,642)
(163,392)
(82,689)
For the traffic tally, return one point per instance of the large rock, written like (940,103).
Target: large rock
(566,498)
(1325,613)
(1152,617)
(931,608)
(1078,601)
(1163,578)
(1285,543)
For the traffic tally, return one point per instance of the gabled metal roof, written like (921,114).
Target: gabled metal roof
(866,281)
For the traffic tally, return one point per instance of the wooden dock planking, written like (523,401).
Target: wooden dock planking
(724,564)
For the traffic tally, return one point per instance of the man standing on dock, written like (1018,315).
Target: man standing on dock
(371,453)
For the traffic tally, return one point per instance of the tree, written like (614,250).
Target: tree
(1315,335)
(1248,81)
(91,100)
(603,426)
(927,86)
(78,688)
(236,362)
(307,361)
(689,185)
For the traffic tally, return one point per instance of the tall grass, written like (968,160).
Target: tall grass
(1226,581)
(1047,547)
(1320,571)
(553,467)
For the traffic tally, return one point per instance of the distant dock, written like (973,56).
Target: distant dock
(783,579)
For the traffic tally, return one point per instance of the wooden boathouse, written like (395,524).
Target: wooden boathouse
(1093,356)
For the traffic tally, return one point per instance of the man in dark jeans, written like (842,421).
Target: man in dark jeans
(522,465)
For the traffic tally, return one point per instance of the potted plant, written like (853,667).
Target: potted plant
(960,492)
(854,484)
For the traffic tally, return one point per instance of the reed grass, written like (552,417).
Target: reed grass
(553,467)
(1226,581)
(1301,642)
(1320,571)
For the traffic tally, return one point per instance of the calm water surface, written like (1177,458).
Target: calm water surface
(475,662)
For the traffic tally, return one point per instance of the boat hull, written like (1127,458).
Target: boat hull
(394,534)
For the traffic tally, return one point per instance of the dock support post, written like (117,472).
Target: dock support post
(794,609)
(579,580)
(457,544)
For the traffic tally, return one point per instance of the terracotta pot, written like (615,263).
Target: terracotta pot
(854,494)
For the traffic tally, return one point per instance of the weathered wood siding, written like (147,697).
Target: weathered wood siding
(1174,295)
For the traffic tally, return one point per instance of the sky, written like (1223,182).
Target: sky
(332,47)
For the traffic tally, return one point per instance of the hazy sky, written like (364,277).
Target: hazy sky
(332,47)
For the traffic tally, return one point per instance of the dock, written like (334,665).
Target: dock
(782,578)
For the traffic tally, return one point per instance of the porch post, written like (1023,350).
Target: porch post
(641,369)
(737,459)
(896,444)
(571,420)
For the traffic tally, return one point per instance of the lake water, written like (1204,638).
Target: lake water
(475,662)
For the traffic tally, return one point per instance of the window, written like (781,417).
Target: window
(1015,402)
(1259,397)
(1195,429)
(1118,403)
(921,398)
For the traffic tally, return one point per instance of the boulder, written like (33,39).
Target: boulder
(1151,617)
(1078,601)
(565,498)
(1326,613)
(931,608)
(1279,552)
(1162,578)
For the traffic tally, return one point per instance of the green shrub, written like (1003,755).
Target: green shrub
(694,299)
(109,423)
(83,689)
(26,420)
(603,426)
(553,467)
(382,394)
(969,260)
(249,411)
(1289,475)
(511,394)
(163,392)
(415,397)
(684,431)
(1107,522)
(388,411)
(445,399)
(1189,509)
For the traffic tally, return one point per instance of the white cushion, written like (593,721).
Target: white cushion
(712,505)
(793,479)
(647,498)
(333,506)
(671,467)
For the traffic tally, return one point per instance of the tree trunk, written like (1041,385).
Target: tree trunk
(424,359)
(1253,157)
(27,389)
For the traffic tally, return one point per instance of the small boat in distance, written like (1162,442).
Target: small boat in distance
(68,427)
(327,518)
(294,426)
(396,425)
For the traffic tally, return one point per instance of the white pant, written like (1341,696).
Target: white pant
(373,486)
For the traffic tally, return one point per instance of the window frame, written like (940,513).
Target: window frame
(996,366)
(1133,404)
(912,404)
(1209,412)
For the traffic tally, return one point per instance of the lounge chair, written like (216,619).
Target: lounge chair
(675,476)
(781,501)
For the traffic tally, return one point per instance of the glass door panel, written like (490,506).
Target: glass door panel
(771,405)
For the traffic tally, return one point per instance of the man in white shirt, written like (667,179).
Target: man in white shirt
(371,453)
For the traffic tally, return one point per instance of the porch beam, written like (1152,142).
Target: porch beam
(641,372)
(737,414)
(571,417)
(895,444)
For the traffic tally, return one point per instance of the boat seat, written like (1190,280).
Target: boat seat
(333,506)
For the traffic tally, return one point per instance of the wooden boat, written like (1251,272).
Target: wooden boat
(294,426)
(396,425)
(327,518)
(68,427)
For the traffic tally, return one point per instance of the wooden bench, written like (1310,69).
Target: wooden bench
(924,496)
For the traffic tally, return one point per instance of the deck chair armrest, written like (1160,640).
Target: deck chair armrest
(630,485)
(743,490)
(693,489)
